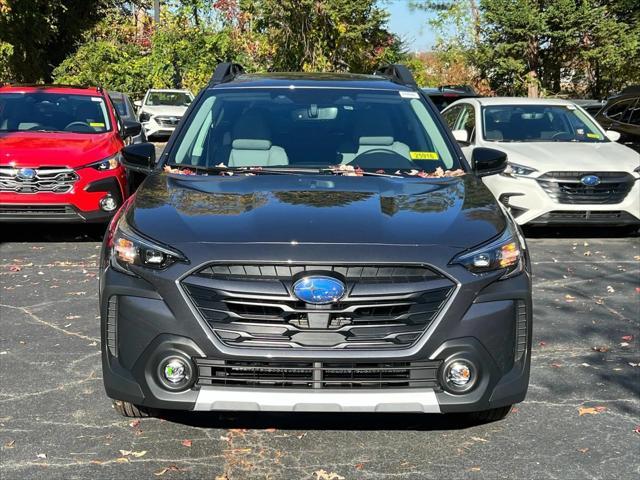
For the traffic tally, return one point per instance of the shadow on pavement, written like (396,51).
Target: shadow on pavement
(319,421)
(51,232)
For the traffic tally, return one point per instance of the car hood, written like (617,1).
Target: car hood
(165,110)
(38,149)
(571,156)
(456,212)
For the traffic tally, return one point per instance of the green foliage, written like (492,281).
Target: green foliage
(6,50)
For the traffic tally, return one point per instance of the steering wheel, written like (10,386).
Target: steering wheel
(560,134)
(382,158)
(84,127)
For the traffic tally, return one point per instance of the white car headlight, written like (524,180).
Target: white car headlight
(516,170)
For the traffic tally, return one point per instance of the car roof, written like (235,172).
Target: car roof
(172,90)
(485,101)
(318,80)
(69,89)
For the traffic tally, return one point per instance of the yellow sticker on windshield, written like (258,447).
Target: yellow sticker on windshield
(424,155)
(593,135)
(96,124)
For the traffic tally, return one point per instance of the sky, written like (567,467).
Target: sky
(410,25)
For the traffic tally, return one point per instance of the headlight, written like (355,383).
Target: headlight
(129,248)
(145,117)
(515,170)
(109,163)
(505,253)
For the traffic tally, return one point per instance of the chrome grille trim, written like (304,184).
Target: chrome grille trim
(566,188)
(53,180)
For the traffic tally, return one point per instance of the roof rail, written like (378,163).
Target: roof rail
(225,72)
(398,74)
(51,85)
(631,89)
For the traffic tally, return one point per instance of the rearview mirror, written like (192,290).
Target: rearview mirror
(139,157)
(130,128)
(612,135)
(488,161)
(461,136)
(138,103)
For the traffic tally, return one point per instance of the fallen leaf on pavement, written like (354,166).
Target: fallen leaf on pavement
(359,466)
(637,429)
(170,468)
(587,253)
(14,268)
(610,289)
(324,475)
(474,469)
(222,477)
(556,365)
(569,298)
(42,455)
(134,424)
(186,443)
(10,444)
(96,462)
(122,460)
(126,453)
(583,450)
(601,349)
(624,344)
(590,410)
(627,338)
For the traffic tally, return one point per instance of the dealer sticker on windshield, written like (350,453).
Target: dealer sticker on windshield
(405,94)
(96,124)
(424,155)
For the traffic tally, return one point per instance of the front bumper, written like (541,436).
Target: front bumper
(80,205)
(155,127)
(530,204)
(152,320)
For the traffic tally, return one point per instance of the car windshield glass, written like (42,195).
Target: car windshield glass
(51,112)
(538,123)
(174,99)
(374,130)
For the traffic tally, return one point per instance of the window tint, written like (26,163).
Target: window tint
(314,128)
(451,115)
(619,111)
(634,113)
(467,121)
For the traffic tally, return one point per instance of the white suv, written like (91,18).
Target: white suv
(161,110)
(563,167)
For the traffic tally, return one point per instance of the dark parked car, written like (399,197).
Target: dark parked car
(127,111)
(314,242)
(622,114)
(445,95)
(592,107)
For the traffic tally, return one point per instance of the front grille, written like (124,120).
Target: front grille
(167,121)
(581,216)
(566,187)
(45,179)
(36,210)
(317,375)
(253,305)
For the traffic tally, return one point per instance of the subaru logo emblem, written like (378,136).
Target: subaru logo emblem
(26,174)
(590,180)
(319,290)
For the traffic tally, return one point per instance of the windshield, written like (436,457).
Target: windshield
(539,123)
(52,112)
(308,127)
(174,99)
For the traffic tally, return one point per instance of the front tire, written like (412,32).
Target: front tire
(129,410)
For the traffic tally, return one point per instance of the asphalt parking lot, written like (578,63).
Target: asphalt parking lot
(581,419)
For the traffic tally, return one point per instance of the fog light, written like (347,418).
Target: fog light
(175,371)
(459,376)
(108,203)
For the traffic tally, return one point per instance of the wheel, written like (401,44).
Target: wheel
(127,409)
(487,416)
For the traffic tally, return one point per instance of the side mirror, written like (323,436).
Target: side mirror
(612,135)
(488,161)
(461,136)
(139,157)
(138,103)
(130,128)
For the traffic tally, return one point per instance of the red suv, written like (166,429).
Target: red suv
(60,154)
